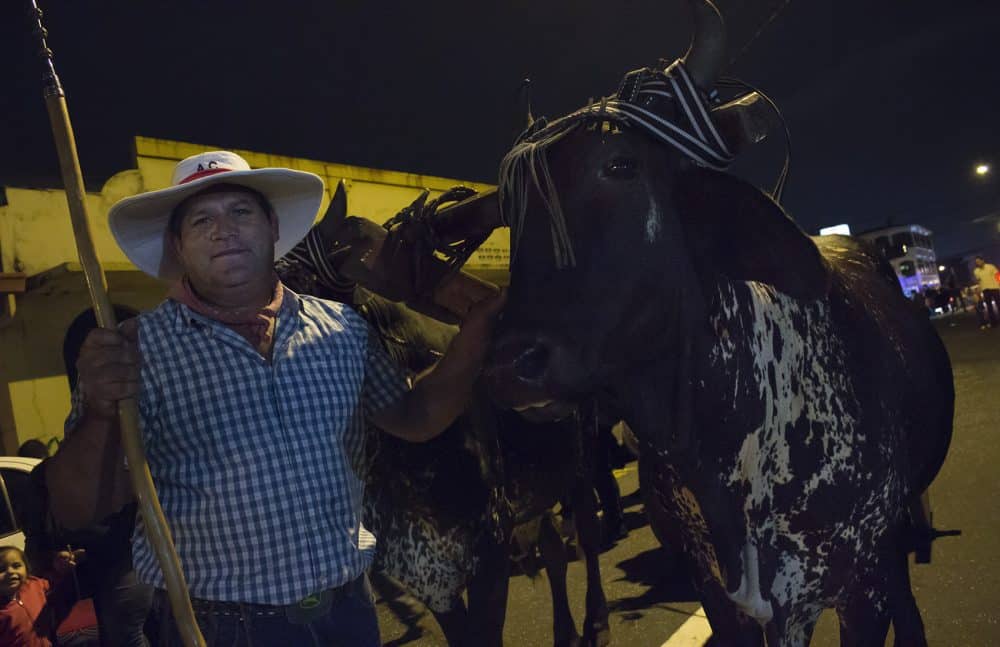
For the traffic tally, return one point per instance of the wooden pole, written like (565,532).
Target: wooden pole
(128,413)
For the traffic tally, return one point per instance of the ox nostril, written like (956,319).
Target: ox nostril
(532,363)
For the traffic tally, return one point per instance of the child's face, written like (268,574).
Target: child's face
(13,572)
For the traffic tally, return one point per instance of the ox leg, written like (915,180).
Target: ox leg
(488,595)
(795,629)
(454,624)
(730,626)
(607,488)
(906,622)
(554,556)
(596,628)
(864,621)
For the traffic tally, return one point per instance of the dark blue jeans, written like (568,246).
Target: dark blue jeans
(122,604)
(347,619)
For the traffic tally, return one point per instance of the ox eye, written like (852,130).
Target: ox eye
(621,168)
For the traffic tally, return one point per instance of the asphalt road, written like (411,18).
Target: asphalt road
(957,592)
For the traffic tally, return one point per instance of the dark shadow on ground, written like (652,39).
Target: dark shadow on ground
(402,606)
(666,576)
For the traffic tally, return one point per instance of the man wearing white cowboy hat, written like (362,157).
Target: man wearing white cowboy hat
(252,401)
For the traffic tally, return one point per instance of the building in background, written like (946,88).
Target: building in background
(42,289)
(836,230)
(910,250)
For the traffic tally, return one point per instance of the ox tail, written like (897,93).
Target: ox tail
(919,533)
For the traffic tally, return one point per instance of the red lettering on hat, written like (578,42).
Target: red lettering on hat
(203,173)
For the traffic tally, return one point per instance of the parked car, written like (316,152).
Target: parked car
(14,474)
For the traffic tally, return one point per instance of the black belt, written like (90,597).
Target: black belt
(312,605)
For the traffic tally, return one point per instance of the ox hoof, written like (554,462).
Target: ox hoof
(570,641)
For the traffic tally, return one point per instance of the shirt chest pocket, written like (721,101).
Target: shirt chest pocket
(217,415)
(322,387)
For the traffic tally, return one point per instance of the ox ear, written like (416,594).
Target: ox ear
(735,229)
(335,214)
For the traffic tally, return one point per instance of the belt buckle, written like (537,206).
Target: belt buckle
(310,601)
(309,608)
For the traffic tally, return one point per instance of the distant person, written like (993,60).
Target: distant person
(33,448)
(986,275)
(954,291)
(970,298)
(930,299)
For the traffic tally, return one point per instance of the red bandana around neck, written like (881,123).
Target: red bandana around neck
(256,326)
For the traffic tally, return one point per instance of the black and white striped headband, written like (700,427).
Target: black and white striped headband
(694,136)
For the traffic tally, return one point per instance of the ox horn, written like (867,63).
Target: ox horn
(705,57)
(525,101)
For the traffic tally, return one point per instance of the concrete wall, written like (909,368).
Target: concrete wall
(35,398)
(36,238)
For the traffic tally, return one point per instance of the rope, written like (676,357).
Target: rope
(456,253)
(779,187)
(429,243)
(760,30)
(311,253)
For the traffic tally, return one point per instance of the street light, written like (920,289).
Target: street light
(982,169)
(941,268)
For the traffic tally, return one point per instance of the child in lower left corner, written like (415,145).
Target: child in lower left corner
(26,617)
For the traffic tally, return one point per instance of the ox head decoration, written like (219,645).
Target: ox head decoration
(622,219)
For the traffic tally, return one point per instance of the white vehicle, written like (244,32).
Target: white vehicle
(14,472)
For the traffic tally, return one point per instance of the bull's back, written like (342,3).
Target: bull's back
(897,358)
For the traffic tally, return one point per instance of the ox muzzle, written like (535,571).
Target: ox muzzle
(536,374)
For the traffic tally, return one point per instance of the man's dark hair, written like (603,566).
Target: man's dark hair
(177,215)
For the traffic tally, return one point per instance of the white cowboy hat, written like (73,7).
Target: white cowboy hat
(139,223)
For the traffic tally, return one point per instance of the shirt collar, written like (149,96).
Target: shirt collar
(186,319)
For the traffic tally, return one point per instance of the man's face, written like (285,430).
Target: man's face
(13,572)
(980,262)
(226,240)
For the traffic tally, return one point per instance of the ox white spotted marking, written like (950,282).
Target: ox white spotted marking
(654,221)
(434,566)
(786,357)
(748,595)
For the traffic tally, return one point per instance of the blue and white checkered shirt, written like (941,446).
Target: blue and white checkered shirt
(258,464)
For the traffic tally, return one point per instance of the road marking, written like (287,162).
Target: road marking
(693,633)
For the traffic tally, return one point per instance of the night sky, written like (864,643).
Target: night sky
(889,104)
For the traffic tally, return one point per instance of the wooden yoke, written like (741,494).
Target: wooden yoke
(395,264)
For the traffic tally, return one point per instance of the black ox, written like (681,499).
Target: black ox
(790,403)
(445,512)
